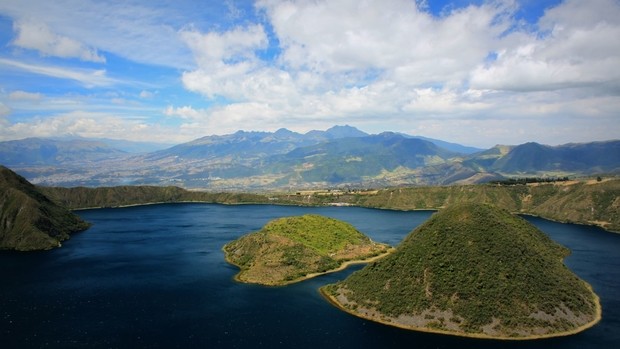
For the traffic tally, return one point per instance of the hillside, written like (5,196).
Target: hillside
(473,270)
(534,158)
(583,202)
(291,249)
(82,197)
(28,219)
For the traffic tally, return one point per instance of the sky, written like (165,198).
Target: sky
(475,72)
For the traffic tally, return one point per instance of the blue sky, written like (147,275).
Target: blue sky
(475,72)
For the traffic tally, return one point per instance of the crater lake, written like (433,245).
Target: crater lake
(155,277)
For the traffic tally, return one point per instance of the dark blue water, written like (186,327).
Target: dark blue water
(155,277)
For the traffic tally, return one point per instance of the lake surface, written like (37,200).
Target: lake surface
(155,277)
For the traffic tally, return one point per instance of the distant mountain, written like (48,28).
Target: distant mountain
(246,146)
(534,158)
(455,147)
(341,156)
(336,132)
(42,151)
(133,147)
(593,157)
(28,219)
(351,159)
(241,145)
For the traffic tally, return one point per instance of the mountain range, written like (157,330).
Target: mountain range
(341,156)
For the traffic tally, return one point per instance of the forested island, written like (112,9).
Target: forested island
(292,249)
(472,270)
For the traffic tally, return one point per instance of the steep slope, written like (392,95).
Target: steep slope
(294,248)
(473,270)
(28,219)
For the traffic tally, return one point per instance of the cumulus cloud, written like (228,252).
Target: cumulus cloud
(227,62)
(87,124)
(37,36)
(394,36)
(576,50)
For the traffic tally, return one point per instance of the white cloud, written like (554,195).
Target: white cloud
(87,77)
(88,124)
(393,36)
(578,51)
(4,110)
(25,96)
(185,112)
(135,30)
(227,63)
(144,94)
(37,36)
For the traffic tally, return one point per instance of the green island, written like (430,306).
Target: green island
(472,270)
(292,249)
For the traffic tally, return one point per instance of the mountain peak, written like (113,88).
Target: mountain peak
(344,132)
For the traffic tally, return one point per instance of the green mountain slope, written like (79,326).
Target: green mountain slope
(294,248)
(28,219)
(473,270)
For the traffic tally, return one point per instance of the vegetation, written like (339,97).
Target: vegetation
(584,202)
(28,219)
(472,269)
(293,248)
(83,197)
(526,180)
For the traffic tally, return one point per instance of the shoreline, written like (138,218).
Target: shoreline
(597,318)
(342,266)
(523,213)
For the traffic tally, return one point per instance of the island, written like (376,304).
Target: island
(472,270)
(291,249)
(29,220)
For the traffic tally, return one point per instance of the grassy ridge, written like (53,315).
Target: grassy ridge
(470,267)
(292,248)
